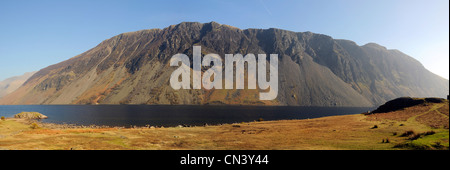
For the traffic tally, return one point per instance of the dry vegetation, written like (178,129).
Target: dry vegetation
(443,110)
(434,119)
(339,132)
(432,115)
(417,127)
(400,115)
(428,125)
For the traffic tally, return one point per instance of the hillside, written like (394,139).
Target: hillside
(10,84)
(314,70)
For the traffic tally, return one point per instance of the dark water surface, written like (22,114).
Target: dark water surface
(165,115)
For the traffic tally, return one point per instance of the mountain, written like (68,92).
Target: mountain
(314,70)
(10,84)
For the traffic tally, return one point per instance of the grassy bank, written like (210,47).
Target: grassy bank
(378,131)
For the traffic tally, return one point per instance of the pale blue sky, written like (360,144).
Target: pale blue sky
(35,34)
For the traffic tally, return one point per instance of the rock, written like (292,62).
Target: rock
(30,115)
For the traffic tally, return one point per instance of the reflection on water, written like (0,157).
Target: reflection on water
(165,115)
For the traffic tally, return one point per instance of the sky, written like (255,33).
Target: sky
(36,34)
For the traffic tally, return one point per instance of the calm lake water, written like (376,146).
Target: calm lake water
(141,115)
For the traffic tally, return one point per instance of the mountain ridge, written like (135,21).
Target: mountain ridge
(10,84)
(314,70)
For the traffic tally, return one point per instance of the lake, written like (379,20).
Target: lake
(166,115)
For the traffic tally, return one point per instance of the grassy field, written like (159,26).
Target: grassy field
(418,127)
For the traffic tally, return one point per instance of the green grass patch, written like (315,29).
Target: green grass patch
(431,141)
(439,140)
(118,142)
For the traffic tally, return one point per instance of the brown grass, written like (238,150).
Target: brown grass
(434,120)
(400,115)
(339,132)
(444,109)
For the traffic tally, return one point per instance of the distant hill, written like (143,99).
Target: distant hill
(405,102)
(314,70)
(10,84)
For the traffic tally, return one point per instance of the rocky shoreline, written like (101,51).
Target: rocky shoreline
(30,115)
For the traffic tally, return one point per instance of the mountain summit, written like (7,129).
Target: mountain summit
(314,70)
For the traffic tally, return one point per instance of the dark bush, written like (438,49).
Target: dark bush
(414,137)
(428,133)
(407,133)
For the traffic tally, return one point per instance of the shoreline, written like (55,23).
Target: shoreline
(94,126)
(173,117)
(148,126)
(345,132)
